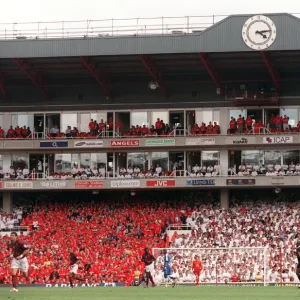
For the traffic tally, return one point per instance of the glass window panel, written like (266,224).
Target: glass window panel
(293,115)
(85,160)
(1,120)
(139,118)
(236,112)
(176,161)
(75,160)
(160,158)
(62,163)
(99,161)
(207,116)
(210,158)
(290,156)
(139,160)
(20,160)
(272,157)
(68,120)
(14,121)
(99,116)
(251,156)
(1,162)
(25,120)
(198,116)
(216,116)
(84,122)
(163,115)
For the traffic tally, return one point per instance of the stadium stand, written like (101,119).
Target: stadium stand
(97,228)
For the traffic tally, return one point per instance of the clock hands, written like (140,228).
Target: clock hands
(261,32)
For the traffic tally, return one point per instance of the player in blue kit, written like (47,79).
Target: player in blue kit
(167,266)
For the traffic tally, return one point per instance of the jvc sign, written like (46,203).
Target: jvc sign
(161,183)
(288,139)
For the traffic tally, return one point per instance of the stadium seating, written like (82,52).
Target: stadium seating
(110,237)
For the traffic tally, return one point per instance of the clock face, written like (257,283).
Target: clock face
(259,32)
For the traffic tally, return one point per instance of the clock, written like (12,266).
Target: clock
(259,32)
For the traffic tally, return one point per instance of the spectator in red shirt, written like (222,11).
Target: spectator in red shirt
(232,125)
(285,123)
(10,133)
(278,122)
(249,123)
(217,128)
(2,133)
(240,124)
(158,126)
(92,127)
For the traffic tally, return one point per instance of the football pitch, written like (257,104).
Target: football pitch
(132,293)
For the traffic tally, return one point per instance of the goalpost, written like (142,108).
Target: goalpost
(219,264)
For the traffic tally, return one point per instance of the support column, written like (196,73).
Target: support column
(224,197)
(224,162)
(7,202)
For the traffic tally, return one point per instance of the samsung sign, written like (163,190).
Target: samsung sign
(89,144)
(199,182)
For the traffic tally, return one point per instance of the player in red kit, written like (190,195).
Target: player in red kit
(19,252)
(74,265)
(197,268)
(149,260)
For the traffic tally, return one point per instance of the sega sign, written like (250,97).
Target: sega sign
(286,139)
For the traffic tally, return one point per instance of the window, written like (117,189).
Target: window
(161,159)
(62,163)
(68,120)
(290,156)
(85,160)
(272,157)
(99,160)
(139,118)
(139,160)
(210,158)
(293,115)
(84,122)
(236,112)
(99,116)
(252,156)
(20,161)
(207,116)
(163,115)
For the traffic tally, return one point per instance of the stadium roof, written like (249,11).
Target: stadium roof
(223,36)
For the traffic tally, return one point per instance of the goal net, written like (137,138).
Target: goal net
(232,266)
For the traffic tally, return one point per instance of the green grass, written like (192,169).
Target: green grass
(133,293)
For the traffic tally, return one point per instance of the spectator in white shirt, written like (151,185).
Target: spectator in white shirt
(158,170)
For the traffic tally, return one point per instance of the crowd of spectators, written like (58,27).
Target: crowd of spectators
(16,133)
(276,169)
(246,224)
(110,236)
(276,124)
(15,173)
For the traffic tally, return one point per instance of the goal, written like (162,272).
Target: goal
(233,266)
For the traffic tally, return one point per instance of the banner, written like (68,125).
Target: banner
(160,142)
(200,141)
(161,183)
(240,181)
(125,183)
(124,143)
(278,139)
(18,184)
(58,144)
(199,182)
(89,144)
(240,140)
(89,184)
(53,184)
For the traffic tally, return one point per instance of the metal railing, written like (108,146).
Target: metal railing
(107,27)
